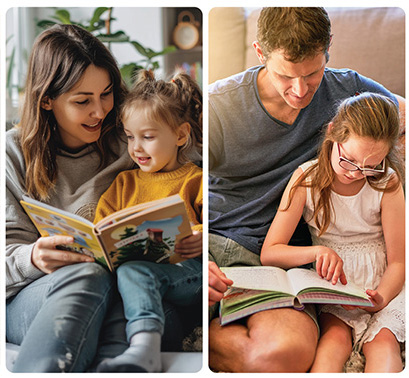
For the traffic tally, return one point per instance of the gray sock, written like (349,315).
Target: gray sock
(143,355)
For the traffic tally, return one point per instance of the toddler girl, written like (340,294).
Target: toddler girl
(353,201)
(163,124)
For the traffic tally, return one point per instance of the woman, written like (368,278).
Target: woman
(65,151)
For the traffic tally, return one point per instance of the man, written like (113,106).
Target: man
(264,123)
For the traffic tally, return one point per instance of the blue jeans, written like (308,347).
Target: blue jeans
(113,340)
(144,284)
(57,319)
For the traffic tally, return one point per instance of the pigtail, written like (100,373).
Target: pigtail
(190,96)
(171,103)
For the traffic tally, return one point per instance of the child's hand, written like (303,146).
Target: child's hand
(376,299)
(329,265)
(191,246)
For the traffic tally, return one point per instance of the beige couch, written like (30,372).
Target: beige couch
(368,40)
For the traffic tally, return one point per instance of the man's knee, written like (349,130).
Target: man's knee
(282,341)
(280,356)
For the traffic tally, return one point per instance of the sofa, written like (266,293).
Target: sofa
(368,40)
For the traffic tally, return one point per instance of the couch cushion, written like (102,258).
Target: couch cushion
(251,36)
(226,42)
(372,42)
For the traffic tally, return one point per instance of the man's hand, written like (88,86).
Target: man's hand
(218,283)
(47,258)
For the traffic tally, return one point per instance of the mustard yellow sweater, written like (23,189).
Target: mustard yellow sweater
(135,186)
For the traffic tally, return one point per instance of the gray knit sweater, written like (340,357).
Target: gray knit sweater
(78,188)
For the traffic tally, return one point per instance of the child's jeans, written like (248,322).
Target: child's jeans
(144,284)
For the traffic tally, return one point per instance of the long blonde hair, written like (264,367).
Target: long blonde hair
(366,115)
(59,57)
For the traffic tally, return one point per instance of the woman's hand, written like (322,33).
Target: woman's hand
(329,265)
(191,246)
(47,258)
(218,283)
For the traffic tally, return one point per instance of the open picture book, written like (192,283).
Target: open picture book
(148,231)
(259,288)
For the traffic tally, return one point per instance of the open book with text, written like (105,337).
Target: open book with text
(148,231)
(259,288)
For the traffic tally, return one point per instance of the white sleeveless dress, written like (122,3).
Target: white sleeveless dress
(357,237)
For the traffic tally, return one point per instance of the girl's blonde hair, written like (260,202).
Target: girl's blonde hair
(59,58)
(368,115)
(170,103)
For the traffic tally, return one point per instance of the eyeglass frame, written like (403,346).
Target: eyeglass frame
(364,171)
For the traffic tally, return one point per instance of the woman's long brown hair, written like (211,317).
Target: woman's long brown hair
(59,58)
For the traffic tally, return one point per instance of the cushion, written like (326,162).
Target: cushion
(226,40)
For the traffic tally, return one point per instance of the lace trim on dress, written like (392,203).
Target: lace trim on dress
(352,248)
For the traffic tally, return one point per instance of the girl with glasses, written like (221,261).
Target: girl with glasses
(352,198)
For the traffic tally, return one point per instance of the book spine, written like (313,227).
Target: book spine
(101,244)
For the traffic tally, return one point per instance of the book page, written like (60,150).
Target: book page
(259,278)
(50,221)
(149,235)
(140,209)
(302,279)
(53,210)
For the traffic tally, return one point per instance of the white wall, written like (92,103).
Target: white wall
(141,24)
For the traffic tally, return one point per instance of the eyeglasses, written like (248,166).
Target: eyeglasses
(352,167)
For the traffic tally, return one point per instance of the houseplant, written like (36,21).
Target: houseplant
(100,24)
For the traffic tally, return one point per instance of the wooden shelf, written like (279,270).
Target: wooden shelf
(192,57)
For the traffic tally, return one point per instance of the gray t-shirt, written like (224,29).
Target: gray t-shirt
(253,155)
(79,185)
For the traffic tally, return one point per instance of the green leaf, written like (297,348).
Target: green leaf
(119,36)
(141,50)
(96,23)
(166,50)
(149,53)
(44,24)
(96,26)
(155,65)
(97,14)
(128,72)
(169,49)
(63,15)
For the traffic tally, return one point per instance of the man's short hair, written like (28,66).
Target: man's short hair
(301,32)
